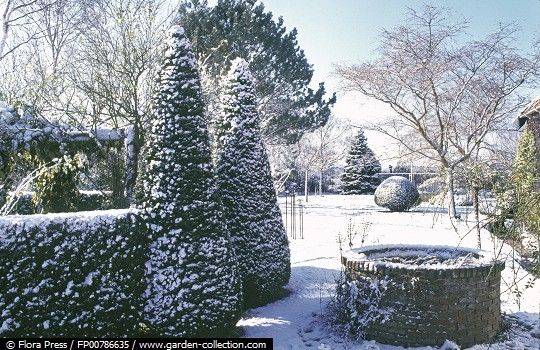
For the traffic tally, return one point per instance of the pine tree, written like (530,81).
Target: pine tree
(360,176)
(248,195)
(226,29)
(193,286)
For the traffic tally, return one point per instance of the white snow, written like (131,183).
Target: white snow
(297,321)
(423,256)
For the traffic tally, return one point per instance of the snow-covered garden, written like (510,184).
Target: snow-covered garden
(304,318)
(174,170)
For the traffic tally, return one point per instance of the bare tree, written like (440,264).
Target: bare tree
(447,94)
(15,15)
(332,141)
(116,65)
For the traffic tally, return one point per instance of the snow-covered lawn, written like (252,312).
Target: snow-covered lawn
(297,321)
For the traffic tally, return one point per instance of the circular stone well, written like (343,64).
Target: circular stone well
(423,295)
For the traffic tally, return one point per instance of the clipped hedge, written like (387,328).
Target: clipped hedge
(397,194)
(72,273)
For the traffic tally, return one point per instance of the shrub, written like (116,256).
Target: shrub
(397,194)
(66,274)
(86,201)
(56,186)
(247,191)
(527,198)
(193,284)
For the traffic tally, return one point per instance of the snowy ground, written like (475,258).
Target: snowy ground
(298,321)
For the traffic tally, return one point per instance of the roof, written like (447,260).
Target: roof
(533,106)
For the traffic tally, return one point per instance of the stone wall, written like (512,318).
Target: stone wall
(428,306)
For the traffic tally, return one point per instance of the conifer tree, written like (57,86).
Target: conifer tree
(247,192)
(360,175)
(525,173)
(193,286)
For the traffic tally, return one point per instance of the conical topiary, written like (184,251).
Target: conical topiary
(193,286)
(360,175)
(247,192)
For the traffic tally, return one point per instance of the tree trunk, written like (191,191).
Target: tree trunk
(451,199)
(474,194)
(306,195)
(320,182)
(115,165)
(133,142)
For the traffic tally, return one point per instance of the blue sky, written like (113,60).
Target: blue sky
(334,31)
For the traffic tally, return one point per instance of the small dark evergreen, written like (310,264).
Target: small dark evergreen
(247,191)
(360,175)
(193,287)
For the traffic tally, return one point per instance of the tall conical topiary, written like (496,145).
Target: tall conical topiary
(193,286)
(247,192)
(360,175)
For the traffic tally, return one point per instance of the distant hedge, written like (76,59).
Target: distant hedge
(76,273)
(87,200)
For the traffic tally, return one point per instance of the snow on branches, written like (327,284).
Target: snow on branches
(247,191)
(193,288)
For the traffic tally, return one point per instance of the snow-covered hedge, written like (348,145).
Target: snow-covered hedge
(65,274)
(397,194)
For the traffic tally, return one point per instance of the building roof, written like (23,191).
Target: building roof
(532,108)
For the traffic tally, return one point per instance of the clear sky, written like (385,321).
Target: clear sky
(334,31)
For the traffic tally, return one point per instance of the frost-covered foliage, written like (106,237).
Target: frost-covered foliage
(247,191)
(66,274)
(356,304)
(433,186)
(18,129)
(360,173)
(22,129)
(397,194)
(193,286)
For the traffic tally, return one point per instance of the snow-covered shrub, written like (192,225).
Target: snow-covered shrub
(66,274)
(56,185)
(432,185)
(397,194)
(24,205)
(247,192)
(360,175)
(461,198)
(193,283)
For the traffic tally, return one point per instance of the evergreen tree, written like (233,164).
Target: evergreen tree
(193,287)
(525,173)
(239,28)
(247,191)
(360,175)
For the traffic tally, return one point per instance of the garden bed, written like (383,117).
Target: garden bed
(422,295)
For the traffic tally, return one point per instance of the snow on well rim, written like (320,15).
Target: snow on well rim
(450,257)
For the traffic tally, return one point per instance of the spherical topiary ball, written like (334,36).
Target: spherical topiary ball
(397,194)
